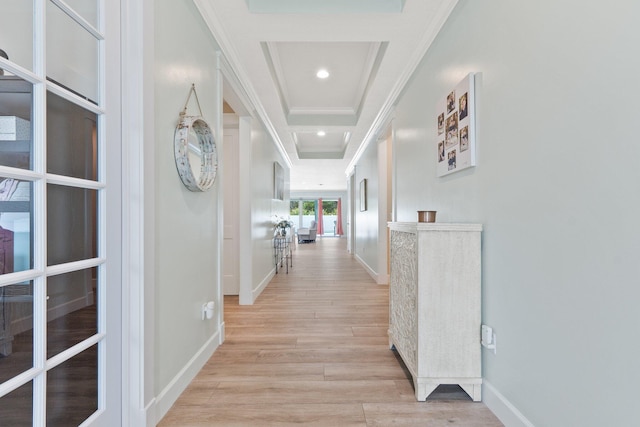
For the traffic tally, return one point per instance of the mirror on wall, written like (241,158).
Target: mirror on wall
(195,153)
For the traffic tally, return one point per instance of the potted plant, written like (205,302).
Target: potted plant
(281,225)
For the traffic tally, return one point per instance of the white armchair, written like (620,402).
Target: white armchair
(308,234)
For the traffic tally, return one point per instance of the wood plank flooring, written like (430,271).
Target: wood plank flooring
(313,350)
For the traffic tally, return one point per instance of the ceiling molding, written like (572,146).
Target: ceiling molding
(277,52)
(285,95)
(338,111)
(272,57)
(330,155)
(374,58)
(386,112)
(232,90)
(309,145)
(325,6)
(322,120)
(231,57)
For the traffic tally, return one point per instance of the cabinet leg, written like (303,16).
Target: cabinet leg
(473,390)
(423,390)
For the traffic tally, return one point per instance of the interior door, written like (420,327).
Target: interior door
(57,367)
(231,279)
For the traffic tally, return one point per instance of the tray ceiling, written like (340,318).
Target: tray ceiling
(369,48)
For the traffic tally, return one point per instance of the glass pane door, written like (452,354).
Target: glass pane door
(329,217)
(294,212)
(53,216)
(308,212)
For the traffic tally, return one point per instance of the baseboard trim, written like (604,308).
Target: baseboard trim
(368,269)
(179,383)
(255,293)
(25,323)
(223,333)
(502,408)
(148,418)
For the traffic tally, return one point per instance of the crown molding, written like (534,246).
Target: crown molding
(230,56)
(386,112)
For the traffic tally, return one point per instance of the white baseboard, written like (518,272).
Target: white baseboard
(148,418)
(25,323)
(255,293)
(369,270)
(179,383)
(70,307)
(506,412)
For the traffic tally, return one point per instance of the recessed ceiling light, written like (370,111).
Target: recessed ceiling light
(322,74)
(321,133)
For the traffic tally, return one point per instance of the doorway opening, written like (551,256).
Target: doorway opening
(325,212)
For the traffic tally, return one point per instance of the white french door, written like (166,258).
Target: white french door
(59,194)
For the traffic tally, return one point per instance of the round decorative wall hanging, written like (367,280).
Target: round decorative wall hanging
(195,150)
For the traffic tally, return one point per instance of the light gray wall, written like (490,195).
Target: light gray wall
(185,222)
(16,32)
(264,154)
(556,187)
(71,52)
(366,222)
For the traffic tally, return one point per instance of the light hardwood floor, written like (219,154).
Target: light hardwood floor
(313,350)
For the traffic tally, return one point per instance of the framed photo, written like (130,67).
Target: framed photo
(456,109)
(363,195)
(451,102)
(440,151)
(278,181)
(451,137)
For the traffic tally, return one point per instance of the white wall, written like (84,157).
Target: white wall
(366,222)
(186,231)
(371,234)
(264,153)
(16,32)
(556,187)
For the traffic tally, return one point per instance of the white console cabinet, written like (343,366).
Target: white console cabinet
(434,304)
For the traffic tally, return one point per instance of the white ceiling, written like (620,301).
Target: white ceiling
(369,47)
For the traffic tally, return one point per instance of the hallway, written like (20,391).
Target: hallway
(313,350)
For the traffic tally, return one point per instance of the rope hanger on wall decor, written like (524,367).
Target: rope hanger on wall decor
(183,113)
(195,149)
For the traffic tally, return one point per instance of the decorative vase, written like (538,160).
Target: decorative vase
(426,216)
(5,56)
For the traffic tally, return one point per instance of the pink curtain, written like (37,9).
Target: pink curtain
(319,225)
(339,231)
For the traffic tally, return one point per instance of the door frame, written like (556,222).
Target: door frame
(138,217)
(230,200)
(351,216)
(234,94)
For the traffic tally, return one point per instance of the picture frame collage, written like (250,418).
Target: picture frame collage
(456,142)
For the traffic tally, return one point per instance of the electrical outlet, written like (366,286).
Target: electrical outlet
(487,334)
(488,338)
(207,310)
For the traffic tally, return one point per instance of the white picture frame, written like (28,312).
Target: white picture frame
(278,181)
(456,128)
